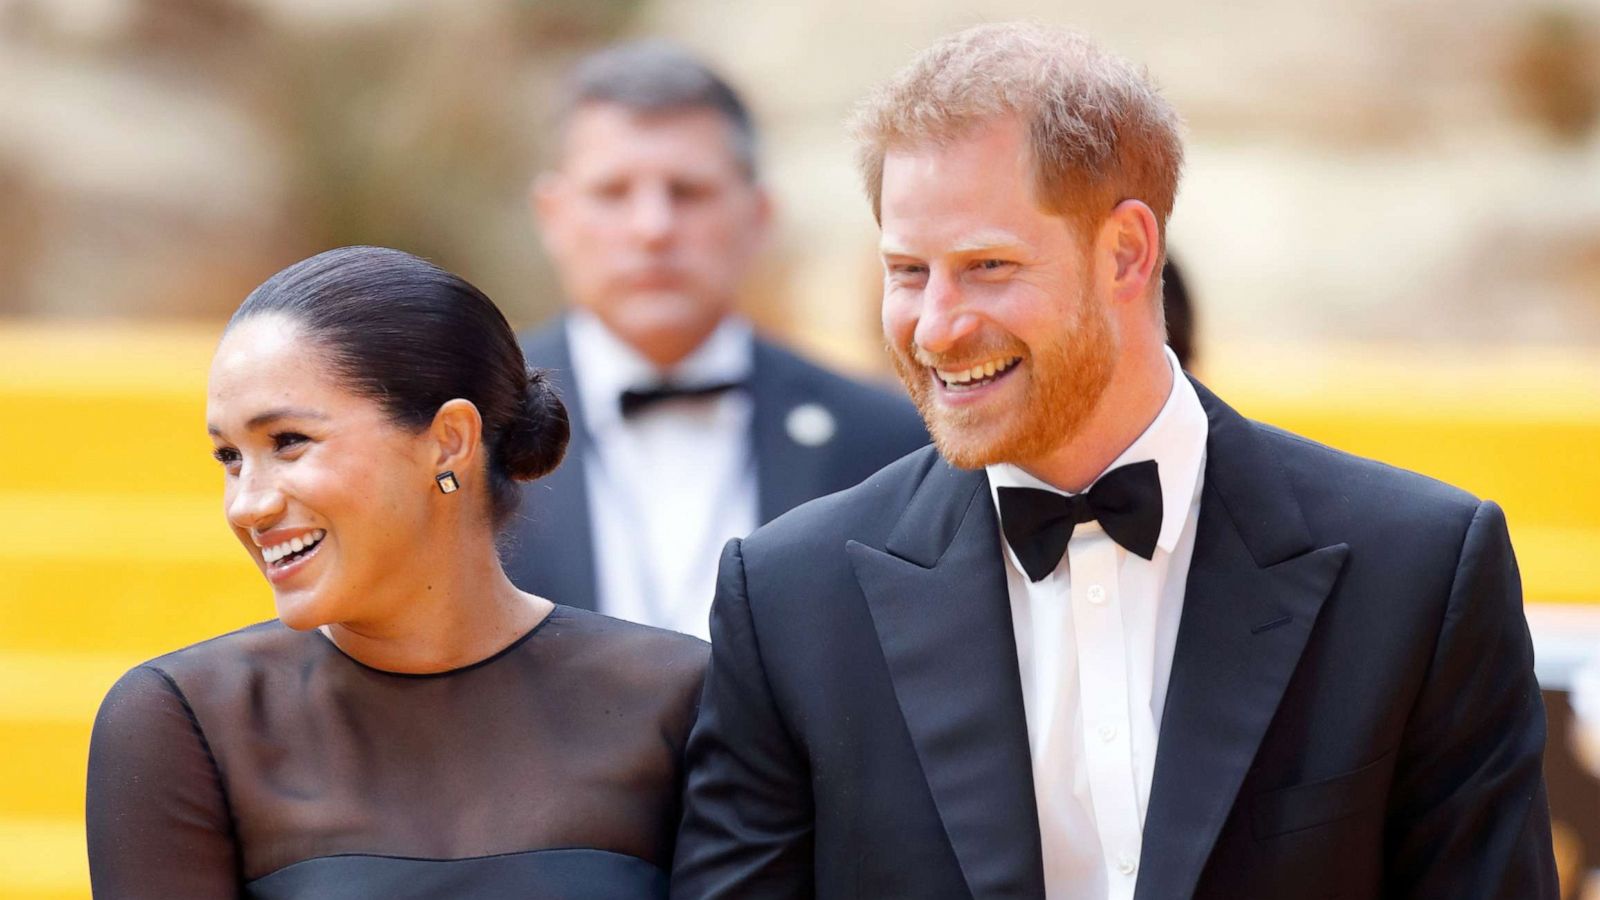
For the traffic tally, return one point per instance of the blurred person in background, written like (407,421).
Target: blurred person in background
(687,429)
(1107,638)
(1177,307)
(412,725)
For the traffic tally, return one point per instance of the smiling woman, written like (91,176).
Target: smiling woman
(412,725)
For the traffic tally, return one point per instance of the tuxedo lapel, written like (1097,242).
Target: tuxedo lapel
(937,595)
(1256,585)
(551,550)
(788,472)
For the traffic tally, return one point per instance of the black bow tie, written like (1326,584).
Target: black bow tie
(637,400)
(1126,501)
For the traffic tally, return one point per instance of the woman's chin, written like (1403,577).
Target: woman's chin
(301,613)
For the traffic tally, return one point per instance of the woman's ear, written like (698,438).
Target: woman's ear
(456,437)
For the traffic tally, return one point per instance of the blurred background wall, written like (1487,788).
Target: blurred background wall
(160,157)
(1390,221)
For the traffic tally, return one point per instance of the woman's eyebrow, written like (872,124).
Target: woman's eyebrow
(263,419)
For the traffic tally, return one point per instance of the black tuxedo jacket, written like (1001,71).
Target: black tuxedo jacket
(1352,710)
(550,550)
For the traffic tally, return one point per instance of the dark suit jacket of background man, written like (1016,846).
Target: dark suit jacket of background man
(551,550)
(1352,710)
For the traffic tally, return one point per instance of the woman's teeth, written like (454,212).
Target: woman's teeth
(295,545)
(981,373)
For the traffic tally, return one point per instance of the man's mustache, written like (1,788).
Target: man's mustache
(965,355)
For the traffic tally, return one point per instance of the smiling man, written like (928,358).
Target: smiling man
(1108,639)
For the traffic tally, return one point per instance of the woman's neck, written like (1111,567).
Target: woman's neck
(465,611)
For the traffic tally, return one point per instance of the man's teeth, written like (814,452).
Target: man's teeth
(293,545)
(977,373)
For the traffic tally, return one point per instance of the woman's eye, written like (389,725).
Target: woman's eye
(226,455)
(286,439)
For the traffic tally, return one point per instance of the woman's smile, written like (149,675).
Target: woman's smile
(287,557)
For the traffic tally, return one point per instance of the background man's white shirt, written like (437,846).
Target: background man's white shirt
(669,485)
(1095,640)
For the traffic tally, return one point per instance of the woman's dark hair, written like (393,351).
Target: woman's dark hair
(412,336)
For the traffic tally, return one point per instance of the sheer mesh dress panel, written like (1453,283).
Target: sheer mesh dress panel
(267,764)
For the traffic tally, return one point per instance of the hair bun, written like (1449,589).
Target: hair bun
(534,443)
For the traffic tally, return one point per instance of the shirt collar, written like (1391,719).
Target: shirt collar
(1175,439)
(605,365)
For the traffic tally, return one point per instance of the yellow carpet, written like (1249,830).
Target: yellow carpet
(113,547)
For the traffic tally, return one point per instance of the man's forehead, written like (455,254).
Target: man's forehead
(618,130)
(613,111)
(915,240)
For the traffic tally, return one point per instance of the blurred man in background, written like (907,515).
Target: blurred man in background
(687,428)
(1178,308)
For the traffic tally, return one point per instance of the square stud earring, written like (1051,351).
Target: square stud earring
(447,482)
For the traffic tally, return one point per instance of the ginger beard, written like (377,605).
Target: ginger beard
(1064,380)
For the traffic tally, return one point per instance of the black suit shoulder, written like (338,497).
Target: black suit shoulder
(865,513)
(1364,479)
(1348,496)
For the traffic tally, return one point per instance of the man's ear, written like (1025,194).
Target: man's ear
(456,438)
(546,198)
(766,209)
(1130,241)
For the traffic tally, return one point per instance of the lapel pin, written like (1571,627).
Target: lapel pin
(810,425)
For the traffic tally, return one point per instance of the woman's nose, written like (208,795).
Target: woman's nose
(256,503)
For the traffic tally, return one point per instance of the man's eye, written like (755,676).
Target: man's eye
(992,265)
(689,192)
(283,440)
(609,191)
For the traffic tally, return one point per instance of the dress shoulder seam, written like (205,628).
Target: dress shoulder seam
(211,757)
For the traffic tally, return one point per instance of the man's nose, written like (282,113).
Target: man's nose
(651,214)
(944,319)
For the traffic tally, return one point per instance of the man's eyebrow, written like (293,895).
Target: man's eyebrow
(889,247)
(988,240)
(263,419)
(976,243)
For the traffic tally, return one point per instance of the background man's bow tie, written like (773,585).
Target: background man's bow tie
(637,400)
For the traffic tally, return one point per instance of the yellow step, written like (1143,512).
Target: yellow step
(43,858)
(108,443)
(106,407)
(130,607)
(47,708)
(133,575)
(45,764)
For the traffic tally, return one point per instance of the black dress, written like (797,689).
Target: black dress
(268,764)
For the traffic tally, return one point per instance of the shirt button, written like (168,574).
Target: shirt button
(1108,733)
(1097,594)
(1126,864)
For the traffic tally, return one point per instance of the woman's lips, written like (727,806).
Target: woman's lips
(282,571)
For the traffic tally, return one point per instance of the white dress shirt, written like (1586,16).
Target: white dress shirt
(1094,646)
(669,485)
